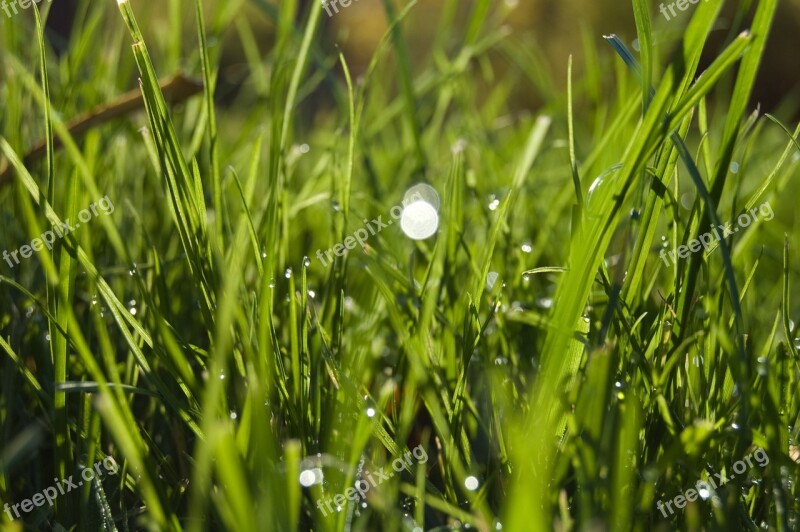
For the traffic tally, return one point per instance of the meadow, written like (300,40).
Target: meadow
(513,353)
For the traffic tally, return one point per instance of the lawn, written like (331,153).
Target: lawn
(395,296)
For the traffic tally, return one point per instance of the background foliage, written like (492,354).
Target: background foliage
(193,336)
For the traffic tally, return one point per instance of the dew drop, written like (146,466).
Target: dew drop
(419,220)
(687,199)
(309,477)
(471,483)
(763,366)
(422,192)
(491,279)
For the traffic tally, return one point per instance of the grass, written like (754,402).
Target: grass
(555,371)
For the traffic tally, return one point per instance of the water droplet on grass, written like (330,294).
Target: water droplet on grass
(309,477)
(419,220)
(422,192)
(763,366)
